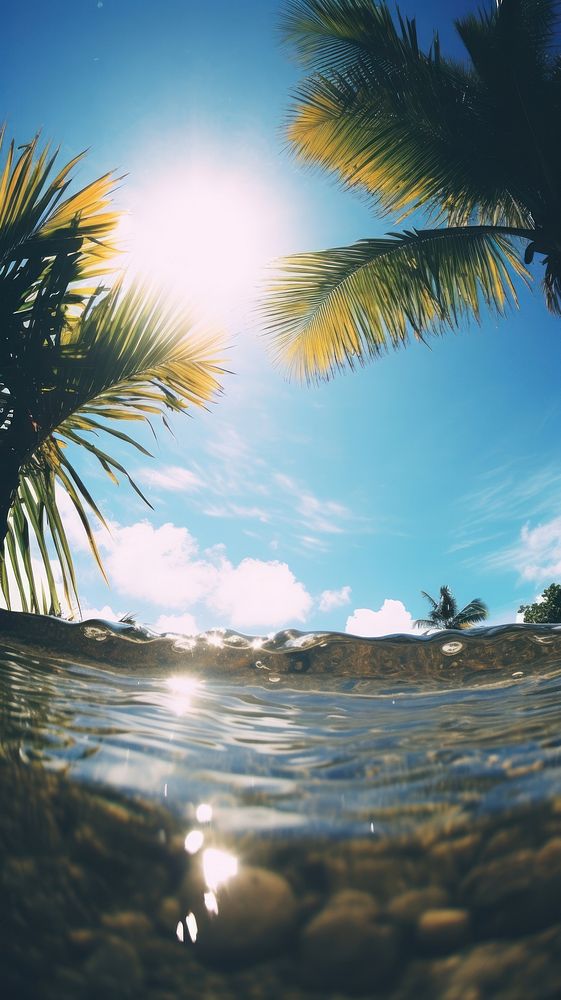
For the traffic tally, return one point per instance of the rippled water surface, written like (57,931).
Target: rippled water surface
(306,742)
(359,755)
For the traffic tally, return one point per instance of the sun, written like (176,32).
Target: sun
(205,233)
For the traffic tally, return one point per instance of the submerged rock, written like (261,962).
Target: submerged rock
(256,914)
(348,947)
(443,930)
(113,970)
(408,907)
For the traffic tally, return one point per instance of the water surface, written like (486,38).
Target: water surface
(312,768)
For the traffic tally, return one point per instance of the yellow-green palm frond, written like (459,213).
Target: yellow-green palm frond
(420,146)
(342,307)
(335,34)
(74,360)
(40,220)
(36,561)
(130,357)
(408,126)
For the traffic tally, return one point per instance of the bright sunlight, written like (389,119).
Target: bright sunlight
(204,233)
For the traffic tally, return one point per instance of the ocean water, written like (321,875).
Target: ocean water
(297,816)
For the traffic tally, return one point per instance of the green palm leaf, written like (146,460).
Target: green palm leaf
(130,358)
(410,127)
(342,307)
(74,358)
(427,623)
(444,613)
(473,144)
(474,612)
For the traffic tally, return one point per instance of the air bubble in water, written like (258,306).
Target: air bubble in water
(450,648)
(274,678)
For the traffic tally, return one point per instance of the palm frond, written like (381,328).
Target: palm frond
(512,51)
(474,612)
(425,623)
(522,30)
(411,128)
(430,599)
(447,606)
(130,358)
(445,614)
(74,359)
(37,223)
(343,307)
(335,34)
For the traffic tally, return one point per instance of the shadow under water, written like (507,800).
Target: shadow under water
(299,816)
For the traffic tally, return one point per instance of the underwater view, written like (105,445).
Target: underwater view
(304,815)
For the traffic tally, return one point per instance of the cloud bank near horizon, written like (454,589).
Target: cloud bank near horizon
(390,618)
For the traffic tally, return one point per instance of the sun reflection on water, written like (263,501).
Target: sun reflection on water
(182,690)
(211,902)
(218,867)
(204,813)
(191,924)
(194,841)
(215,638)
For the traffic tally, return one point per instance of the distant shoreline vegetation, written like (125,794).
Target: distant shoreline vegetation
(546,610)
(445,614)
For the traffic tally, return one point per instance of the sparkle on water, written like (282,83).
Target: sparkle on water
(325,740)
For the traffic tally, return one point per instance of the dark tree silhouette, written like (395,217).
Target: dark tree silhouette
(444,613)
(474,145)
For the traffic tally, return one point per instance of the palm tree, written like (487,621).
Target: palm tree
(475,146)
(444,612)
(75,357)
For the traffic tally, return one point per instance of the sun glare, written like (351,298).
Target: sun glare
(204,234)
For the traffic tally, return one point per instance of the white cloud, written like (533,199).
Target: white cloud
(314,544)
(106,613)
(331,599)
(257,593)
(237,510)
(173,478)
(536,556)
(163,566)
(539,553)
(181,624)
(392,617)
(322,515)
(231,448)
(159,565)
(318,516)
(509,493)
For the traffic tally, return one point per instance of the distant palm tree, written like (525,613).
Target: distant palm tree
(476,145)
(74,359)
(444,613)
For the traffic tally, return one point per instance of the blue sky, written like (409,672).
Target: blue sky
(287,505)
